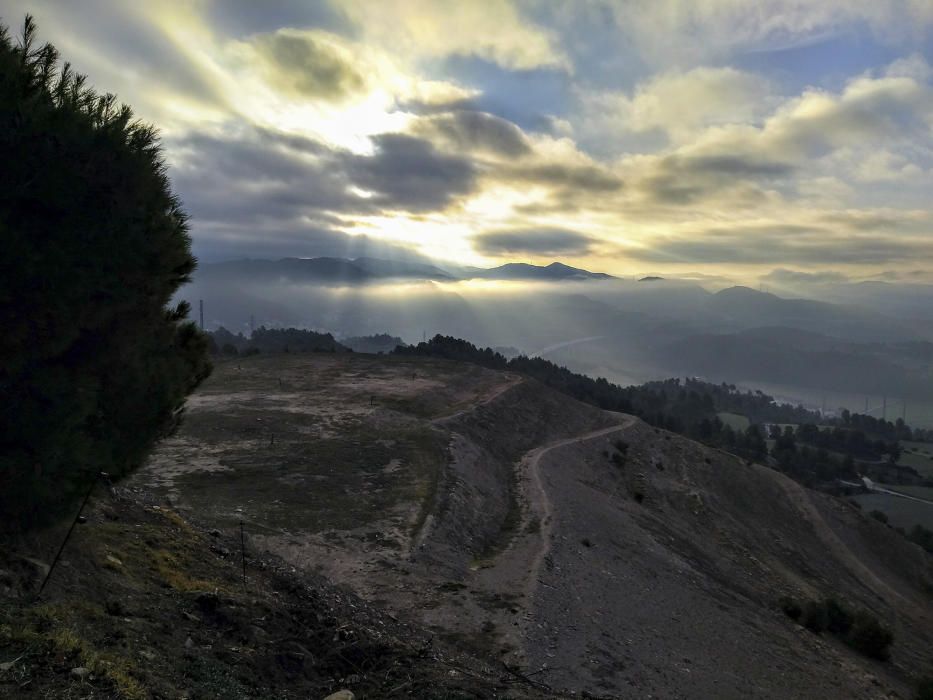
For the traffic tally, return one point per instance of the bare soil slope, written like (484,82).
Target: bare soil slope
(509,519)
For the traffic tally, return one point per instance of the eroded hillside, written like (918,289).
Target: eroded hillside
(589,549)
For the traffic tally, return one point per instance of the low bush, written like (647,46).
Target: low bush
(838,617)
(790,607)
(860,630)
(813,616)
(869,637)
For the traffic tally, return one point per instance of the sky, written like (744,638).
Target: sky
(754,140)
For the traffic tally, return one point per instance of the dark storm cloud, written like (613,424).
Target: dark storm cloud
(727,166)
(533,241)
(259,175)
(309,67)
(469,131)
(782,244)
(294,239)
(686,179)
(585,178)
(408,173)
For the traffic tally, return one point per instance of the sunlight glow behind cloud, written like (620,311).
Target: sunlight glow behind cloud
(724,137)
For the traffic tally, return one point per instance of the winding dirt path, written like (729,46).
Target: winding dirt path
(488,397)
(517,568)
(539,501)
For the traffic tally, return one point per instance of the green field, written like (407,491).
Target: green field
(735,421)
(919,456)
(901,512)
(924,492)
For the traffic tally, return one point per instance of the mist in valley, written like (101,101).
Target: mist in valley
(869,343)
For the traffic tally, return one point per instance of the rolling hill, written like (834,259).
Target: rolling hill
(523,527)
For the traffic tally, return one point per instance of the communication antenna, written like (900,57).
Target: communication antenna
(424,336)
(904,410)
(884,408)
(252,324)
(866,405)
(201,309)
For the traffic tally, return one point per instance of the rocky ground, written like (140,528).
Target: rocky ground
(523,530)
(144,604)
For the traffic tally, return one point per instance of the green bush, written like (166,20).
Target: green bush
(96,364)
(922,536)
(860,630)
(814,616)
(790,607)
(838,617)
(869,637)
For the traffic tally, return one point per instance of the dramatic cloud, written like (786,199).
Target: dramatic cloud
(408,173)
(535,242)
(476,131)
(728,138)
(492,29)
(764,244)
(308,65)
(574,177)
(684,32)
(681,104)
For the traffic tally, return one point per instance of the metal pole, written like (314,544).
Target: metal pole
(243,553)
(65,541)
(201,309)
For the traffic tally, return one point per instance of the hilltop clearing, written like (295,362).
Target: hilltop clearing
(594,551)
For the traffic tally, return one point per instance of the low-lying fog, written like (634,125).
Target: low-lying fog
(873,340)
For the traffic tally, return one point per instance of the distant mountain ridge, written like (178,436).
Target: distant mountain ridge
(526,271)
(366,270)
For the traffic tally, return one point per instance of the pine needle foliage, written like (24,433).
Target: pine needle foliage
(95,363)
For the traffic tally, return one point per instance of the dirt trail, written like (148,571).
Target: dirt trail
(488,397)
(538,499)
(515,573)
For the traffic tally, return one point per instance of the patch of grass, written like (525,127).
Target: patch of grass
(175,574)
(736,421)
(53,633)
(924,492)
(901,512)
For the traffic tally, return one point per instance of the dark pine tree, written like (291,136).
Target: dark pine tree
(94,363)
